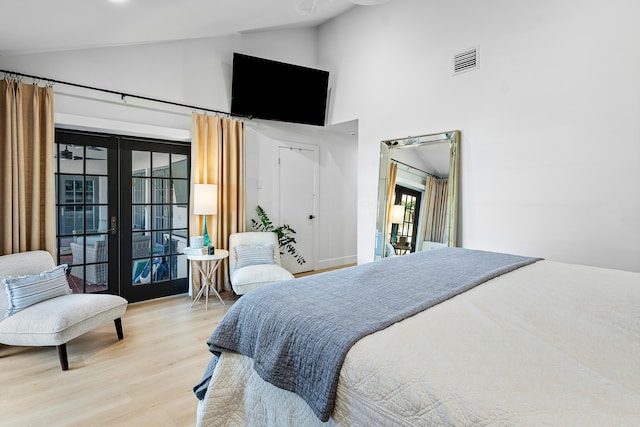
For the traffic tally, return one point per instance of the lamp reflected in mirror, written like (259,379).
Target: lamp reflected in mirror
(397,217)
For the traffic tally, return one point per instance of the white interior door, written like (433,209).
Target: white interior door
(297,208)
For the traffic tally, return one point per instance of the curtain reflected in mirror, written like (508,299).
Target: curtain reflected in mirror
(417,194)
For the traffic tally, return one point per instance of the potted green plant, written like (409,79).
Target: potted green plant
(284,232)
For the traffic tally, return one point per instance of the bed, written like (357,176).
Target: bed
(536,343)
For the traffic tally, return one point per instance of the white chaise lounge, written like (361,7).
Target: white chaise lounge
(54,321)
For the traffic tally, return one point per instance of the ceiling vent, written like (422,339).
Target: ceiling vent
(466,61)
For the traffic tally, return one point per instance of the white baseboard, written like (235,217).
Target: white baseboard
(336,262)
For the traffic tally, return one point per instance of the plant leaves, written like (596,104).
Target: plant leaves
(284,233)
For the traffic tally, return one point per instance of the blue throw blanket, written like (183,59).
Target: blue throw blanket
(298,332)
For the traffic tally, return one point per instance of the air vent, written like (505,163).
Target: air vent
(466,61)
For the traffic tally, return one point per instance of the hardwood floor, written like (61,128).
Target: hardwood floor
(144,380)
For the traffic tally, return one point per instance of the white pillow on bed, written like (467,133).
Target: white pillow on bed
(254,255)
(25,291)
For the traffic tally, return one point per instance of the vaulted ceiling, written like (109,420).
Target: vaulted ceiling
(45,25)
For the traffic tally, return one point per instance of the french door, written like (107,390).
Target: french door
(408,228)
(122,213)
(86,201)
(155,216)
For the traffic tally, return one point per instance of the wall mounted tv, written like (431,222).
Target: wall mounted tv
(266,89)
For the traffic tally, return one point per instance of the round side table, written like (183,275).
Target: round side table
(208,274)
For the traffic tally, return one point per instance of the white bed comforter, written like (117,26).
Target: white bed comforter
(549,343)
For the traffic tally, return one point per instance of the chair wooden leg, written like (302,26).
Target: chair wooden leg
(62,355)
(118,323)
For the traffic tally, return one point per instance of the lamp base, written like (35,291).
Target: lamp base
(394,233)
(206,242)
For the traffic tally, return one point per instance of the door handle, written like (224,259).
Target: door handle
(311,216)
(113,230)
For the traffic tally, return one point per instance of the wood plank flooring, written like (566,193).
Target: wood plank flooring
(144,380)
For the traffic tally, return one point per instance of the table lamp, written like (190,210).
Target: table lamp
(205,202)
(397,217)
(397,214)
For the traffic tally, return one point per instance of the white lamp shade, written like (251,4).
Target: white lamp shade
(205,199)
(397,214)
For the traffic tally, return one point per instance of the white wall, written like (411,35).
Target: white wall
(550,131)
(550,144)
(194,72)
(337,198)
(198,72)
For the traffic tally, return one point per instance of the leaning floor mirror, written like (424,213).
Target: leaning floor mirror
(417,193)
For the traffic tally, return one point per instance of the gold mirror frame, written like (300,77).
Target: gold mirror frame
(386,149)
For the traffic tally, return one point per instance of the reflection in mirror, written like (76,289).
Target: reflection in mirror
(417,194)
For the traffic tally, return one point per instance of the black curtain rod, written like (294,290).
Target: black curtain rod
(122,94)
(413,167)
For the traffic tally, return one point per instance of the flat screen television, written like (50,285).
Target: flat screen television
(271,90)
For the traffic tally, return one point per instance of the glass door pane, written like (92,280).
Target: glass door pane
(86,197)
(157,193)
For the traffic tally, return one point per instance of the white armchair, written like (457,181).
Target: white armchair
(254,261)
(39,315)
(389,250)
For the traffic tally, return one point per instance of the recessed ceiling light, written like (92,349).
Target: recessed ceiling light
(118,1)
(368,2)
(305,7)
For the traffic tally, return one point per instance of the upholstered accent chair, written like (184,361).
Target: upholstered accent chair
(52,320)
(96,259)
(140,246)
(389,250)
(254,261)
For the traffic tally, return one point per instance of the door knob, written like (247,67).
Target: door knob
(113,229)
(311,216)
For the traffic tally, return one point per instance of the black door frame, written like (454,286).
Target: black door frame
(399,191)
(159,289)
(120,206)
(65,137)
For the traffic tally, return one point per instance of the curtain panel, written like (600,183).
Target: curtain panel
(217,157)
(435,210)
(27,208)
(391,190)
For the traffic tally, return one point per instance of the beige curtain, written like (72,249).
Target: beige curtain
(27,210)
(217,157)
(435,210)
(391,189)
